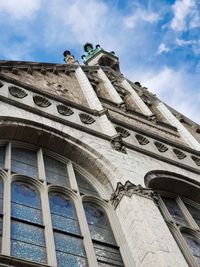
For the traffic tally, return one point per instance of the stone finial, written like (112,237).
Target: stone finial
(68,58)
(89,49)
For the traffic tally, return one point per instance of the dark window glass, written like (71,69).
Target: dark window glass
(84,186)
(24,162)
(2,156)
(104,243)
(27,231)
(194,246)
(174,210)
(56,172)
(195,213)
(69,245)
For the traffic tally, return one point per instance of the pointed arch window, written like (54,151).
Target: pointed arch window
(24,161)
(106,249)
(68,241)
(84,185)
(56,171)
(2,156)
(27,230)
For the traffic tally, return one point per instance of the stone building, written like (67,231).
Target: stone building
(95,169)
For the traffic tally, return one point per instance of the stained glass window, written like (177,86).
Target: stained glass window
(24,162)
(195,213)
(84,186)
(194,246)
(174,210)
(27,231)
(104,243)
(56,171)
(69,245)
(2,156)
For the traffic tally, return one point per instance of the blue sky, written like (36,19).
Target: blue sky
(157,41)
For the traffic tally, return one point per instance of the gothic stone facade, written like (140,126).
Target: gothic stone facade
(140,155)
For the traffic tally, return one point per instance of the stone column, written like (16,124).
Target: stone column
(93,102)
(109,87)
(136,98)
(184,133)
(145,230)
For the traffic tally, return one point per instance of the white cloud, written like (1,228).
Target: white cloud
(20,9)
(176,88)
(140,15)
(162,49)
(184,9)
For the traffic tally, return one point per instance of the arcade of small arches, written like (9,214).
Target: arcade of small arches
(51,213)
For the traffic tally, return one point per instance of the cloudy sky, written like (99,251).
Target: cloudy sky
(157,41)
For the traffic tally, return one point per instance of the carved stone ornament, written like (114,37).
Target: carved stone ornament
(118,144)
(41,101)
(161,147)
(141,139)
(55,71)
(17,92)
(1,84)
(64,110)
(43,70)
(128,190)
(86,119)
(124,133)
(15,70)
(29,70)
(179,153)
(196,160)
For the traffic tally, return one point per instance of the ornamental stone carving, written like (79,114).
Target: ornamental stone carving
(141,139)
(124,133)
(118,144)
(128,189)
(64,110)
(179,153)
(86,119)
(17,92)
(41,101)
(196,160)
(161,147)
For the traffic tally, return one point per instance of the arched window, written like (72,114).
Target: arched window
(27,230)
(68,242)
(47,190)
(85,186)
(2,156)
(24,162)
(104,243)
(56,171)
(179,203)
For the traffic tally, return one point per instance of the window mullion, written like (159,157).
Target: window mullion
(50,246)
(187,214)
(91,257)
(40,163)
(8,157)
(6,216)
(72,177)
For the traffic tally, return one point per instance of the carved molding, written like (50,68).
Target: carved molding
(128,189)
(196,160)
(161,147)
(124,133)
(64,110)
(118,145)
(17,92)
(86,119)
(141,139)
(41,101)
(179,153)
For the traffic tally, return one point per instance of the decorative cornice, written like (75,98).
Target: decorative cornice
(118,144)
(128,189)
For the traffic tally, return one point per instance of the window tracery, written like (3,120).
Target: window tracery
(29,230)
